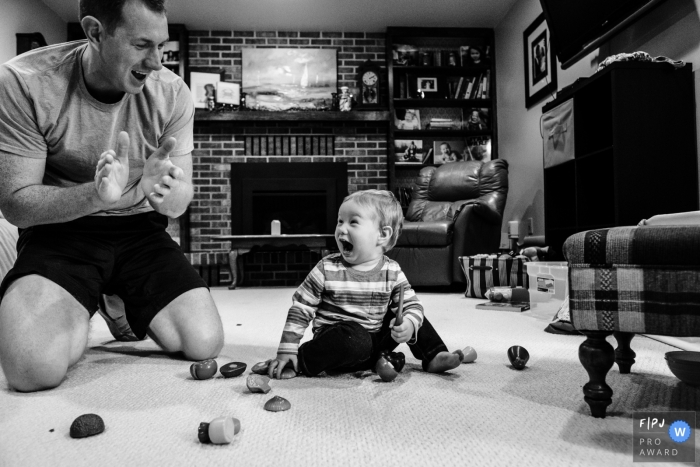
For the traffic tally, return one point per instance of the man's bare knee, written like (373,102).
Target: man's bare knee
(43,331)
(190,324)
(37,377)
(201,346)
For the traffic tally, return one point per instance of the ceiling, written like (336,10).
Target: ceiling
(321,15)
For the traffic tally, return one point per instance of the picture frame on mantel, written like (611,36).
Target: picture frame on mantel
(203,84)
(540,62)
(284,79)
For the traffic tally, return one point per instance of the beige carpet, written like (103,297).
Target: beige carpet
(483,413)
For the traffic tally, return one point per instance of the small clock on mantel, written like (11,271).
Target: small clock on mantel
(370,83)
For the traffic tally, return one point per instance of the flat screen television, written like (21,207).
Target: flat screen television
(579,26)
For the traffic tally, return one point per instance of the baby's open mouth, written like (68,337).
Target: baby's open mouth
(138,75)
(347,246)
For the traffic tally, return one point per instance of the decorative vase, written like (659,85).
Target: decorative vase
(345,102)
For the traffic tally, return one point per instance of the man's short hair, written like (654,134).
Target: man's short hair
(386,207)
(109,12)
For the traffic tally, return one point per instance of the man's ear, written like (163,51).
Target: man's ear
(94,30)
(385,234)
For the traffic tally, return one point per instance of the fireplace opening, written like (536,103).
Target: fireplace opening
(298,212)
(303,196)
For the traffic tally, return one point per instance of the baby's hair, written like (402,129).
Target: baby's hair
(386,207)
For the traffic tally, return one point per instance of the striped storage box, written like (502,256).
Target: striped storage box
(486,271)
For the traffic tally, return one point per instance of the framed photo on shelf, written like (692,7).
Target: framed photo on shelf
(474,55)
(228,93)
(404,55)
(171,53)
(478,149)
(540,62)
(446,151)
(407,119)
(203,84)
(408,152)
(427,85)
(476,119)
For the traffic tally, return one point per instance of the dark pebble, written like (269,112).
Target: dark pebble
(89,424)
(203,433)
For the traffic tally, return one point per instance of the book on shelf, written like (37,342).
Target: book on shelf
(460,83)
(444,124)
(487,84)
(504,306)
(479,88)
(470,86)
(403,87)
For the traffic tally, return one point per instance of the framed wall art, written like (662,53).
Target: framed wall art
(408,152)
(228,93)
(289,79)
(540,62)
(203,84)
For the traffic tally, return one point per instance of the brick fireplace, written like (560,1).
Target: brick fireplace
(361,145)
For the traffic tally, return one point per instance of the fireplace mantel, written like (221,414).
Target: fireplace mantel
(307,115)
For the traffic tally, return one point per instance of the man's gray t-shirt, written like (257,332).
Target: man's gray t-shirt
(46,112)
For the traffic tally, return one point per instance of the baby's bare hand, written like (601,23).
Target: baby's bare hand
(403,332)
(274,369)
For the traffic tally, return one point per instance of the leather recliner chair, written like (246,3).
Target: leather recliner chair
(456,210)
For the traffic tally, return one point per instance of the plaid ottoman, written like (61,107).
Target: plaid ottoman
(626,281)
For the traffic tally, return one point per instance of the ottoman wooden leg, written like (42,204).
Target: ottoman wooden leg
(597,357)
(624,355)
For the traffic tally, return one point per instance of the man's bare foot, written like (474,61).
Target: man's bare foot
(445,361)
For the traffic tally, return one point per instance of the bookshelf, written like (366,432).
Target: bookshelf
(634,151)
(442,99)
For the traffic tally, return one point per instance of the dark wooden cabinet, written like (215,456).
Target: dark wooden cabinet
(635,150)
(441,90)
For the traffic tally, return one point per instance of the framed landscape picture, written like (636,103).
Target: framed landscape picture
(289,79)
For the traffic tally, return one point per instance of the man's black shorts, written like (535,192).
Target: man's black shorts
(130,256)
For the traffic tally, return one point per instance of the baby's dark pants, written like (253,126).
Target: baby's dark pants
(346,347)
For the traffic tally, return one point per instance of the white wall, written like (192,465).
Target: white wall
(28,16)
(672,30)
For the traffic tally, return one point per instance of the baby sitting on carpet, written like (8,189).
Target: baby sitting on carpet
(348,295)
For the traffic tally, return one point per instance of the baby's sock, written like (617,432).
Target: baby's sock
(445,361)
